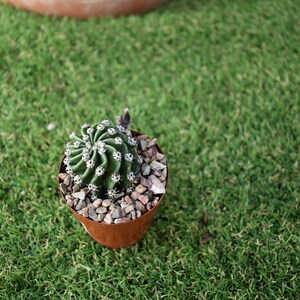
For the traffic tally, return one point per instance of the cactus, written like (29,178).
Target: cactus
(103,158)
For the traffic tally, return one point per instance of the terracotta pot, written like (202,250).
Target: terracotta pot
(83,9)
(117,235)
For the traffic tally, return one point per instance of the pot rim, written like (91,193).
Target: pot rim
(61,168)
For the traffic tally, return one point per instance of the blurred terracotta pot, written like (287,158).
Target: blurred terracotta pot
(117,235)
(83,9)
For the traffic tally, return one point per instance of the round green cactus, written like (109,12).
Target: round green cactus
(103,158)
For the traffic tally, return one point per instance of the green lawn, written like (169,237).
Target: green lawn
(218,83)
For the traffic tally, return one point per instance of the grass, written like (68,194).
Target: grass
(217,82)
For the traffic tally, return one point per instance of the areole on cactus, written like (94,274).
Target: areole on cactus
(103,157)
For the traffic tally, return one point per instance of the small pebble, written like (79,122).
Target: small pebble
(67,180)
(150,194)
(154,152)
(106,203)
(164,172)
(148,206)
(162,178)
(101,210)
(148,153)
(135,195)
(153,158)
(157,173)
(79,195)
(85,190)
(85,212)
(97,203)
(62,176)
(143,145)
(68,197)
(157,186)
(124,204)
(80,211)
(116,213)
(141,137)
(100,217)
(128,200)
(75,201)
(144,199)
(155,165)
(140,189)
(81,204)
(164,161)
(153,142)
(159,156)
(155,201)
(146,169)
(51,126)
(139,206)
(145,182)
(123,213)
(133,215)
(63,188)
(129,209)
(112,207)
(122,220)
(138,213)
(76,188)
(70,202)
(92,214)
(108,219)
